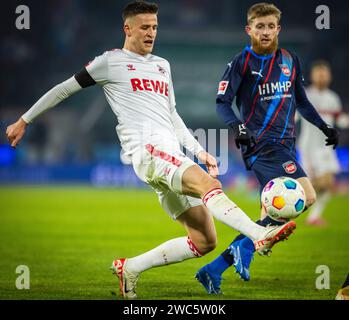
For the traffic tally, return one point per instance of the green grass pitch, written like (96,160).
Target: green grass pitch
(68,237)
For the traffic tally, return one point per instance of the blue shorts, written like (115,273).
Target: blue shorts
(276,160)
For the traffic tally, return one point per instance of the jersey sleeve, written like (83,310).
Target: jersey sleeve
(94,72)
(51,98)
(304,106)
(227,89)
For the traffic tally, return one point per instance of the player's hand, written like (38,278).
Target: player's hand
(243,136)
(331,134)
(15,132)
(210,162)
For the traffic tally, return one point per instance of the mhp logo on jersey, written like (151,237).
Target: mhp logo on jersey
(274,87)
(290,167)
(222,87)
(285,69)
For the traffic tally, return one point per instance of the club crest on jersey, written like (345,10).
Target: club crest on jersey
(131,67)
(161,69)
(222,87)
(285,69)
(290,167)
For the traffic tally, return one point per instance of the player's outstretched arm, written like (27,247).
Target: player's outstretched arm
(60,92)
(308,112)
(15,132)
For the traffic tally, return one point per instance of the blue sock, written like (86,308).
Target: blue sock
(219,265)
(225,259)
(248,244)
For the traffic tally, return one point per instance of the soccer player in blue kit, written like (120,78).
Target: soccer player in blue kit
(267,83)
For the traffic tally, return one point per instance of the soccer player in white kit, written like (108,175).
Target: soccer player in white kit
(139,89)
(320,163)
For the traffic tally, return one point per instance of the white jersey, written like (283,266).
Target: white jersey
(140,92)
(318,159)
(328,105)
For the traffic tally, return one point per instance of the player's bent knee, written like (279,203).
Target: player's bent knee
(205,243)
(310,198)
(213,184)
(207,246)
(211,245)
(207,184)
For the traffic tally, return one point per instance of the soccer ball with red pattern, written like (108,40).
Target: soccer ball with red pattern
(283,198)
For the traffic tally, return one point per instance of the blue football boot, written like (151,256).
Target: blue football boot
(211,281)
(242,251)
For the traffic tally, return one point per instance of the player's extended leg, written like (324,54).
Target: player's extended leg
(324,186)
(310,193)
(242,248)
(201,230)
(201,239)
(195,181)
(240,252)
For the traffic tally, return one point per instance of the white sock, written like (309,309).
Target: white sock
(226,211)
(172,251)
(318,207)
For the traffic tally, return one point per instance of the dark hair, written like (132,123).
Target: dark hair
(321,64)
(139,7)
(263,9)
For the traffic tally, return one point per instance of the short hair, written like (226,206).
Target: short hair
(139,7)
(262,9)
(320,64)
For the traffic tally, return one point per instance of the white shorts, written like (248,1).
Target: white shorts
(163,169)
(318,162)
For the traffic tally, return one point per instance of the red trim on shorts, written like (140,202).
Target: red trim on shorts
(163,155)
(208,195)
(193,248)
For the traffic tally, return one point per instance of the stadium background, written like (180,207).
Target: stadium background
(75,143)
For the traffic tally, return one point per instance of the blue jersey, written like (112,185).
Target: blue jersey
(268,89)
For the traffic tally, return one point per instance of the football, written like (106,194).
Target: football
(283,198)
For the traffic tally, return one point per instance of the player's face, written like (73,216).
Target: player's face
(321,77)
(264,33)
(141,32)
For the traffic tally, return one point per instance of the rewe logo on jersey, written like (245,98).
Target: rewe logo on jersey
(160,87)
(274,87)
